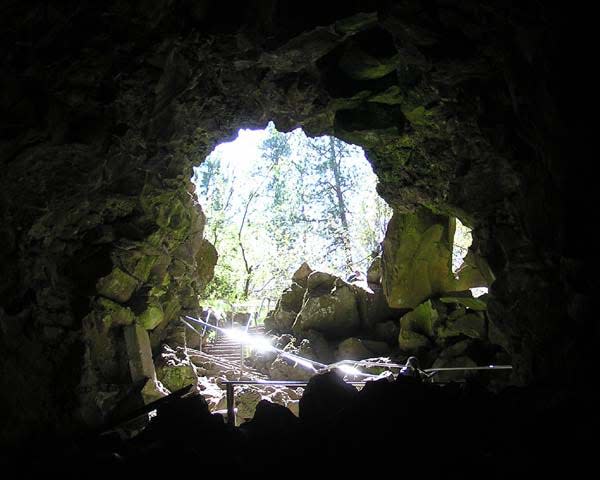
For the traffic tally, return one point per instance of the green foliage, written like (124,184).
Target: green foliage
(306,199)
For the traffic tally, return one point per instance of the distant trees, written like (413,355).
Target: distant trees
(308,200)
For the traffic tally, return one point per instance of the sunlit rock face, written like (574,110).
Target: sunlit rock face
(463,109)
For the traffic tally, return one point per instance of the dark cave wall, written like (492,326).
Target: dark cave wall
(459,105)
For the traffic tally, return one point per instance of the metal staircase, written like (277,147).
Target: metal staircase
(227,349)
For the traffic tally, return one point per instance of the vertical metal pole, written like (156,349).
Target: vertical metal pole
(230,405)
(241,360)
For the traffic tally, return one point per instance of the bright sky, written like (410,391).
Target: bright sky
(244,150)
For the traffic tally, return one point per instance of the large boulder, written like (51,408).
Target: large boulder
(321,282)
(372,305)
(325,395)
(332,312)
(288,306)
(417,257)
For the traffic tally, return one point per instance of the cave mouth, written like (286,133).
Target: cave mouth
(274,200)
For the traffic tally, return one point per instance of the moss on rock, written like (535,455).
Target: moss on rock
(118,286)
(151,317)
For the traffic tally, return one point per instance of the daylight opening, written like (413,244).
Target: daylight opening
(460,247)
(274,200)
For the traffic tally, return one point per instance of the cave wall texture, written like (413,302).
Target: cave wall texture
(465,108)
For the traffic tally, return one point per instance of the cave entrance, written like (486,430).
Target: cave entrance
(274,200)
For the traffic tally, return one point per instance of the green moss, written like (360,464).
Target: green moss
(118,286)
(421,320)
(143,267)
(417,258)
(114,314)
(151,317)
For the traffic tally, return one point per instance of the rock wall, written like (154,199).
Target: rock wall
(466,109)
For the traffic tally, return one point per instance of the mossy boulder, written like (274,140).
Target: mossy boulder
(118,286)
(423,319)
(114,314)
(417,257)
(174,369)
(334,314)
(292,297)
(151,317)
(320,282)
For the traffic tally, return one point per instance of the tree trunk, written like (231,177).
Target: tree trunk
(341,204)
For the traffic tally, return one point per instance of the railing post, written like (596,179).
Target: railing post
(230,405)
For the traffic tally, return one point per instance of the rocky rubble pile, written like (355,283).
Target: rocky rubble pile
(179,367)
(325,318)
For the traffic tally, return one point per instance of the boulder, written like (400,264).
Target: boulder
(151,317)
(320,347)
(153,390)
(423,319)
(118,286)
(324,396)
(206,259)
(378,348)
(246,399)
(471,325)
(300,276)
(411,342)
(353,349)
(321,282)
(292,298)
(333,314)
(174,369)
(387,331)
(496,336)
(374,271)
(286,369)
(417,257)
(280,321)
(372,306)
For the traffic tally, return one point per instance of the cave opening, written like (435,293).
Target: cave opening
(274,201)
